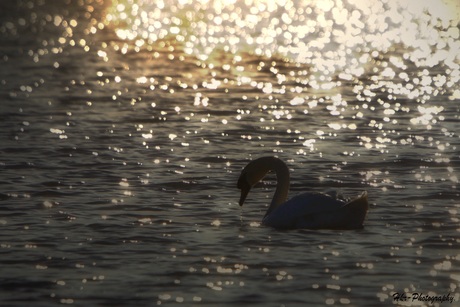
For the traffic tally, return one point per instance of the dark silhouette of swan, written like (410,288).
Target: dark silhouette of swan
(307,210)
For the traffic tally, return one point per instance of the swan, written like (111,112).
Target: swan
(307,210)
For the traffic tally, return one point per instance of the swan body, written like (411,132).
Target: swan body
(307,210)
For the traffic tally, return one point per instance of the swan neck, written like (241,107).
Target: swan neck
(282,185)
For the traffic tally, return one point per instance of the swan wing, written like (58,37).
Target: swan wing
(302,210)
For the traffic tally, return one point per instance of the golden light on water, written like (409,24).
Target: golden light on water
(309,51)
(326,34)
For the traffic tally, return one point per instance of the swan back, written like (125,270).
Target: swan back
(319,211)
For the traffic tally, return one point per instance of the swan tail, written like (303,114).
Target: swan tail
(359,203)
(357,209)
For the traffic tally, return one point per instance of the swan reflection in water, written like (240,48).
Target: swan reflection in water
(307,210)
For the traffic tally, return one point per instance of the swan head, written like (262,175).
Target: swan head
(244,186)
(252,174)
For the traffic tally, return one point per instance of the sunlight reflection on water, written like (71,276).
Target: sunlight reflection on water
(327,35)
(335,44)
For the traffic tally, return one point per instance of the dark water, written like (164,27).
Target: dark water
(124,128)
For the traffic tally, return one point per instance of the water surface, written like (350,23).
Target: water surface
(124,127)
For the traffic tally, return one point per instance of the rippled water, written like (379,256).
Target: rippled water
(125,124)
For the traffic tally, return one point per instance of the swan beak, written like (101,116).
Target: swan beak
(244,193)
(244,186)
